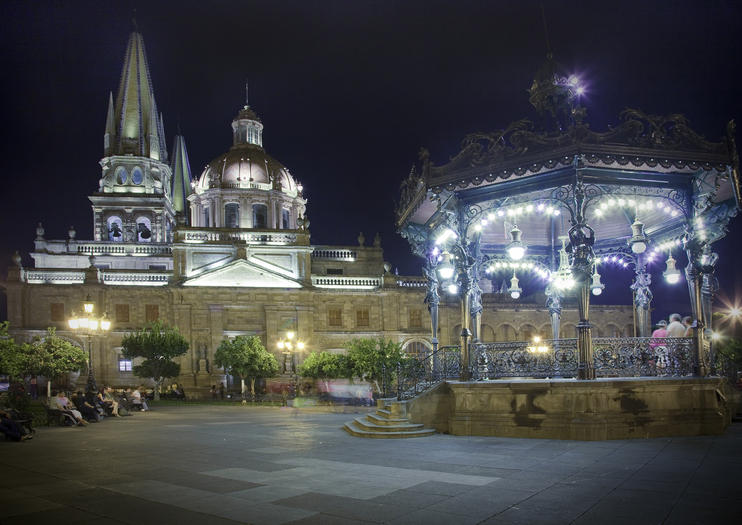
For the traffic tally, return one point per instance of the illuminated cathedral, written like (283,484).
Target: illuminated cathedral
(228,253)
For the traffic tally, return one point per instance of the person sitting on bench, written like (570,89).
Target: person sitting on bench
(11,429)
(106,400)
(87,410)
(137,399)
(61,403)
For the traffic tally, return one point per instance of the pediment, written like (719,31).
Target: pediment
(242,274)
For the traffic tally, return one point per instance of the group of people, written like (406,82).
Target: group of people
(92,407)
(676,327)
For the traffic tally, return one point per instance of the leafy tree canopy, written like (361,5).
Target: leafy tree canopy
(326,365)
(369,357)
(245,356)
(158,344)
(48,356)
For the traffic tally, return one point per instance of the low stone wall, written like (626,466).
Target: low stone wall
(432,408)
(621,408)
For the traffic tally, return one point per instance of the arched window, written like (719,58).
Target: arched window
(505,332)
(144,230)
(206,218)
(115,230)
(232,215)
(136,175)
(487,335)
(527,332)
(121,175)
(568,331)
(285,221)
(416,349)
(259,216)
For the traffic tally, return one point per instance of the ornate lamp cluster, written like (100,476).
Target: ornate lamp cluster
(88,321)
(90,325)
(287,345)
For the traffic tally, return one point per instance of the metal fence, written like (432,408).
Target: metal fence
(613,357)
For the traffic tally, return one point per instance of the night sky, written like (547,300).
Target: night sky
(348,92)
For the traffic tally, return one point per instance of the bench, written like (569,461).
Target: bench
(58,416)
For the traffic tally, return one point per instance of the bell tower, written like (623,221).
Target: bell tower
(134,202)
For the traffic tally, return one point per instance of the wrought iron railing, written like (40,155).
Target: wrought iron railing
(419,374)
(551,358)
(613,357)
(644,356)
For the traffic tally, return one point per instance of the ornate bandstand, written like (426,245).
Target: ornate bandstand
(558,207)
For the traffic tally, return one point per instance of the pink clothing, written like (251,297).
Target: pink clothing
(660,332)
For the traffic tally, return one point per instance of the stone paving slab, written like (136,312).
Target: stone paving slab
(221,465)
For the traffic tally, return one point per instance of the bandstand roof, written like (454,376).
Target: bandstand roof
(652,168)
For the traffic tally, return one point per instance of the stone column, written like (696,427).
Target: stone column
(642,299)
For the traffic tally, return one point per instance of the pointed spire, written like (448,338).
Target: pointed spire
(163,146)
(181,176)
(134,126)
(110,130)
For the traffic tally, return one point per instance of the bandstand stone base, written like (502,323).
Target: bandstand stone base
(617,408)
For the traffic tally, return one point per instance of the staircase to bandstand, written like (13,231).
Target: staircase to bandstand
(388,422)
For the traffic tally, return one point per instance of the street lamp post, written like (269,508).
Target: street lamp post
(89,325)
(288,345)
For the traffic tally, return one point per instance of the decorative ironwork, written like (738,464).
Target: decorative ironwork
(644,356)
(417,375)
(520,359)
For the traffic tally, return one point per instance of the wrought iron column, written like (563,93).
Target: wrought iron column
(581,240)
(554,304)
(465,330)
(642,298)
(709,285)
(432,299)
(694,274)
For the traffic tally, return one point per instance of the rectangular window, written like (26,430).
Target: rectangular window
(362,317)
(416,319)
(122,313)
(334,271)
(285,223)
(151,313)
(334,317)
(124,365)
(157,267)
(206,218)
(56,312)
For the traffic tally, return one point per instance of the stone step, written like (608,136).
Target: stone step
(353,431)
(365,424)
(386,414)
(383,420)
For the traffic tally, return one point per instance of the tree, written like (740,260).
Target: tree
(246,357)
(49,356)
(326,365)
(158,344)
(370,358)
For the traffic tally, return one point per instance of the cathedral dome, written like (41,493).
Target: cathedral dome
(247,166)
(245,187)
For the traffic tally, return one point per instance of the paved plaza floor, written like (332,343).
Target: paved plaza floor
(206,464)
